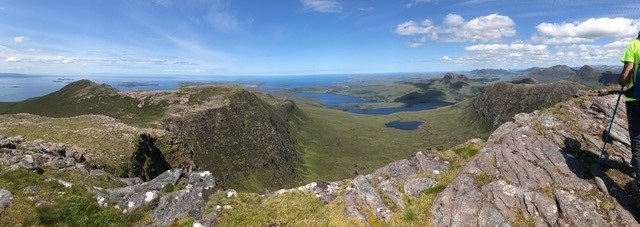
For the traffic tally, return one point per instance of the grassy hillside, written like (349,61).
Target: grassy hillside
(335,144)
(86,97)
(109,143)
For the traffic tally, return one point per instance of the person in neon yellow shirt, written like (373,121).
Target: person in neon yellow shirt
(631,59)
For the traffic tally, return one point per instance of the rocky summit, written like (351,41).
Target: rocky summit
(544,168)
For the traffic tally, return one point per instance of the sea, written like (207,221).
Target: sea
(18,87)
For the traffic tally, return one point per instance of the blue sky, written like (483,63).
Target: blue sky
(297,37)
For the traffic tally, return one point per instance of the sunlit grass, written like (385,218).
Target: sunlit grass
(73,206)
(290,209)
(336,144)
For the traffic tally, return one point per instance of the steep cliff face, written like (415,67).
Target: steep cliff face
(245,139)
(499,102)
(542,168)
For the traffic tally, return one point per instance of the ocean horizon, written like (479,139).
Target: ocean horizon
(19,87)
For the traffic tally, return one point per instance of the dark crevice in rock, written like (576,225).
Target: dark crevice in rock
(147,162)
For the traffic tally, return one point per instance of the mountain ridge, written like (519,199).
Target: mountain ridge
(232,113)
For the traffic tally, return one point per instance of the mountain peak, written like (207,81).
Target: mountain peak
(85,89)
(450,78)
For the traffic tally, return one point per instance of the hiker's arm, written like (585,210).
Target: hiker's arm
(625,76)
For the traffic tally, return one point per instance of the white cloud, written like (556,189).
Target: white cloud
(588,51)
(508,48)
(455,29)
(485,28)
(446,58)
(53,59)
(586,31)
(323,6)
(522,55)
(453,20)
(413,28)
(13,59)
(512,55)
(20,39)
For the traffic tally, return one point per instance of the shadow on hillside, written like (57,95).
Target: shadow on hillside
(420,97)
(586,165)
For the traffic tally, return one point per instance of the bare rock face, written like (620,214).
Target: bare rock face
(368,194)
(5,199)
(188,202)
(536,169)
(133,197)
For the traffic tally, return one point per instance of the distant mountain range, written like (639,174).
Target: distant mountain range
(594,76)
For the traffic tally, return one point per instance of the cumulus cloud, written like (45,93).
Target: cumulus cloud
(323,6)
(20,39)
(517,54)
(590,51)
(13,59)
(453,20)
(521,55)
(485,28)
(413,28)
(455,29)
(586,31)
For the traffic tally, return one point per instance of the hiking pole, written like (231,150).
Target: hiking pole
(606,138)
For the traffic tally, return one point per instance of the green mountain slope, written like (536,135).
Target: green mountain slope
(87,97)
(235,134)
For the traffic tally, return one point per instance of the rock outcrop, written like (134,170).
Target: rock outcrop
(5,199)
(499,102)
(543,168)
